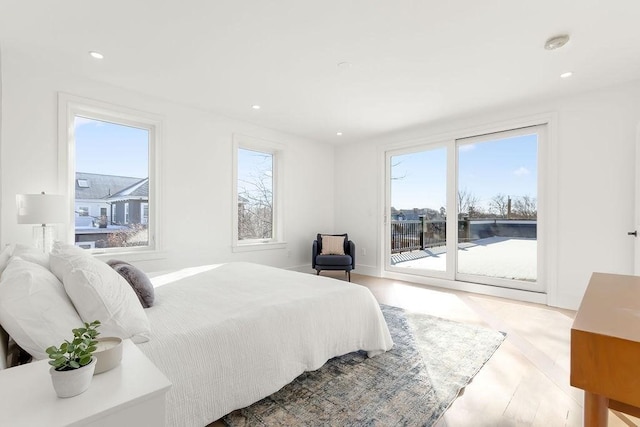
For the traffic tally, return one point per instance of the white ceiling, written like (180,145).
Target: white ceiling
(412,62)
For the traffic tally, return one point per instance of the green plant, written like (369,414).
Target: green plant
(78,352)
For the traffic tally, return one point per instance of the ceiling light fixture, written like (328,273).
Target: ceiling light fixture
(255,107)
(556,42)
(339,133)
(566,75)
(96,55)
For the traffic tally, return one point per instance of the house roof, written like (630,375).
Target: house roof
(137,191)
(98,186)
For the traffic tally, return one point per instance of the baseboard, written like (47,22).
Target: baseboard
(367,270)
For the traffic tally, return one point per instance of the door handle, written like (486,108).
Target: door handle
(633,233)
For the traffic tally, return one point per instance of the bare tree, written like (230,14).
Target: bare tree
(499,205)
(395,176)
(255,202)
(525,207)
(468,203)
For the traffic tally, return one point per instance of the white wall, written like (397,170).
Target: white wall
(196,185)
(593,170)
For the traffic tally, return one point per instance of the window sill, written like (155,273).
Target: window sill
(258,246)
(129,256)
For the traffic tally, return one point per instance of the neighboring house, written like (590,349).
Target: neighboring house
(106,204)
(93,196)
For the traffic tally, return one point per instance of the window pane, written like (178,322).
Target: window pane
(418,210)
(112,175)
(497,208)
(255,195)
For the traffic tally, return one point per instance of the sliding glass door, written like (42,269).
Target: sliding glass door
(418,194)
(467,209)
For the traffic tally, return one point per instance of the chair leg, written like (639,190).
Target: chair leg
(349,275)
(317,272)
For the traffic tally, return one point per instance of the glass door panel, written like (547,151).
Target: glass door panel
(418,194)
(497,209)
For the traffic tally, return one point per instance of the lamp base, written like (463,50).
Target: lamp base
(43,237)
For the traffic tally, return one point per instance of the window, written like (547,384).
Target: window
(257,177)
(110,157)
(126,213)
(144,213)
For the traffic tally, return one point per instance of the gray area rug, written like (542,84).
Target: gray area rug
(413,384)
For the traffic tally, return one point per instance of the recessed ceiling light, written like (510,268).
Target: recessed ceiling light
(556,42)
(566,75)
(339,133)
(96,55)
(255,107)
(344,65)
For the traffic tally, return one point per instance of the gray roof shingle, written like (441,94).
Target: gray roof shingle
(104,186)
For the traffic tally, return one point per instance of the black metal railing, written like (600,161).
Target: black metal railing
(410,235)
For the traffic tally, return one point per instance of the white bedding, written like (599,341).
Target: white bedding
(235,333)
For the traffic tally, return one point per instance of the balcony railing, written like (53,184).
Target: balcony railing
(422,234)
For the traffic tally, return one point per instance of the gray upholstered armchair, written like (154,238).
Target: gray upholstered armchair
(337,253)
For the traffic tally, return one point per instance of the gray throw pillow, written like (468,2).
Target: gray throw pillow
(137,279)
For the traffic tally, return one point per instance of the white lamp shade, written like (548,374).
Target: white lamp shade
(41,208)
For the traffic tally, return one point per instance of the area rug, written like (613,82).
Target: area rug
(413,384)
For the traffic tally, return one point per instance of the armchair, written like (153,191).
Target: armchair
(333,252)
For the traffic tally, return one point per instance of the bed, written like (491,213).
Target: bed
(228,335)
(242,331)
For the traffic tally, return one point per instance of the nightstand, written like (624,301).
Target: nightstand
(131,394)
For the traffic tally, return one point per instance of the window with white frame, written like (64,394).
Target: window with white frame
(109,159)
(257,183)
(126,213)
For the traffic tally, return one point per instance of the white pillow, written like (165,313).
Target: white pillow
(99,293)
(31,254)
(62,254)
(34,308)
(59,246)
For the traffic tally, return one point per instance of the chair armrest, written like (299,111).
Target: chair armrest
(314,253)
(352,252)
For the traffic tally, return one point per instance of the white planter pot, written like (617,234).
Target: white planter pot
(71,383)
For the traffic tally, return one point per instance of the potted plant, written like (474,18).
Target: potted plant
(73,364)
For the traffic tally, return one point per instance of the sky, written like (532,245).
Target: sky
(111,149)
(252,165)
(507,166)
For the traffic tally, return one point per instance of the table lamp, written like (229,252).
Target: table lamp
(42,209)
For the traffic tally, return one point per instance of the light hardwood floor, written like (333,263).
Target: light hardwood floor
(526,382)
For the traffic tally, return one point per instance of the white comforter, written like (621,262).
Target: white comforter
(235,333)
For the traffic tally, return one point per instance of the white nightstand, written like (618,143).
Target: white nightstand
(131,394)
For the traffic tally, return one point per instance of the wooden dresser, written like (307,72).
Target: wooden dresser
(605,347)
